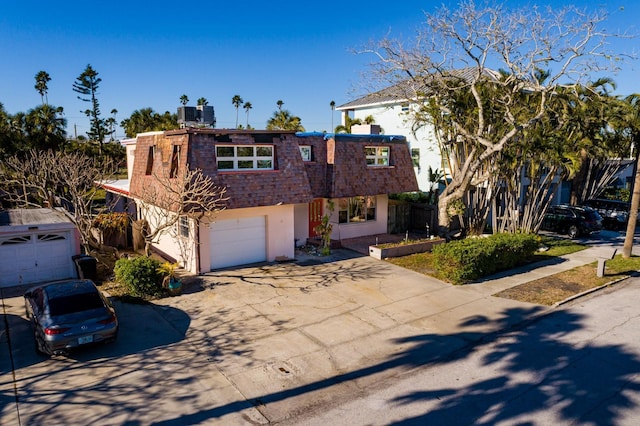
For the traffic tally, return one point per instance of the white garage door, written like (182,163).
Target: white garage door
(238,242)
(34,258)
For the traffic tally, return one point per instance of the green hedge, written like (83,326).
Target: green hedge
(467,260)
(140,275)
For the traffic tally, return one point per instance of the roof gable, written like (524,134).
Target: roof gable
(404,90)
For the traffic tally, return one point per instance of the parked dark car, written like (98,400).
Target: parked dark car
(615,213)
(69,314)
(572,220)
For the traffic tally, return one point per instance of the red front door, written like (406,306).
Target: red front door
(315,216)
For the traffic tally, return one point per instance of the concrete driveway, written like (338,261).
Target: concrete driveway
(251,346)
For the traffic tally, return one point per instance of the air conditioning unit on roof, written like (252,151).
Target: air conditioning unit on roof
(198,116)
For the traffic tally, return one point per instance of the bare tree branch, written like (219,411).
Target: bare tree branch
(58,179)
(190,194)
(510,62)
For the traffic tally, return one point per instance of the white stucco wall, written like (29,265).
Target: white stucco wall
(351,230)
(169,243)
(393,122)
(130,148)
(301,223)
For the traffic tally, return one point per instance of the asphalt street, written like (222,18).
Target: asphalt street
(577,365)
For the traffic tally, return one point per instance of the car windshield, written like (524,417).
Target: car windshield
(74,303)
(591,216)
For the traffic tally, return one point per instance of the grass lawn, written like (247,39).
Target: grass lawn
(561,286)
(548,290)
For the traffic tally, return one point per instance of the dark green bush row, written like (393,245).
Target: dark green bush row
(467,260)
(411,197)
(140,275)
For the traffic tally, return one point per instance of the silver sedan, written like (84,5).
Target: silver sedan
(69,314)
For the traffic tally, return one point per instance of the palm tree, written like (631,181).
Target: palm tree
(184,100)
(349,122)
(146,120)
(111,123)
(332,104)
(42,78)
(346,127)
(280,103)
(236,101)
(283,120)
(202,102)
(45,128)
(247,106)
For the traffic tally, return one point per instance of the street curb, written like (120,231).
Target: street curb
(587,292)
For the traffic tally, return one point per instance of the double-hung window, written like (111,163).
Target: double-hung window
(244,157)
(183,226)
(377,155)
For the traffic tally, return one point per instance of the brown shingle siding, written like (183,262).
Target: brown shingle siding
(338,167)
(352,176)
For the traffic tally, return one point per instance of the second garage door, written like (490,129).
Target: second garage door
(238,242)
(35,257)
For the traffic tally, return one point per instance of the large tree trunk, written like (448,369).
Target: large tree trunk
(633,212)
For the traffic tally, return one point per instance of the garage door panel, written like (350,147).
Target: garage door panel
(238,241)
(35,258)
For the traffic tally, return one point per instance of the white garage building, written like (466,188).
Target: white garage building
(36,245)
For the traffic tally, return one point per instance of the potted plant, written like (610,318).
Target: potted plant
(170,281)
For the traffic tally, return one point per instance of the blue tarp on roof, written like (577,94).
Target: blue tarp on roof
(344,136)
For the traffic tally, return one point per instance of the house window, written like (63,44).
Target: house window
(305,151)
(150,157)
(415,157)
(244,157)
(175,161)
(356,209)
(377,155)
(183,226)
(404,107)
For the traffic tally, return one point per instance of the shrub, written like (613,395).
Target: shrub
(411,197)
(140,275)
(466,260)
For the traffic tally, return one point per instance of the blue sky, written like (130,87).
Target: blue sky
(149,54)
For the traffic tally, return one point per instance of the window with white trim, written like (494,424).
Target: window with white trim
(183,226)
(415,157)
(356,209)
(244,157)
(377,155)
(305,151)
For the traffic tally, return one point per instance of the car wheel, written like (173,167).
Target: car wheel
(573,231)
(39,346)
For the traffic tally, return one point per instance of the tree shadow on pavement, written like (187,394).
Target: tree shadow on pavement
(306,277)
(533,370)
(545,371)
(157,362)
